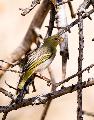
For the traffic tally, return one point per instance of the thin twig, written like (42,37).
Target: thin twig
(73,15)
(27,10)
(44,78)
(47,105)
(6,93)
(88,113)
(4,115)
(7,62)
(15,71)
(84,5)
(76,74)
(10,86)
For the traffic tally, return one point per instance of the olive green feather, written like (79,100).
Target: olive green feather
(39,59)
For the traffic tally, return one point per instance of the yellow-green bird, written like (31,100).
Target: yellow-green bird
(37,61)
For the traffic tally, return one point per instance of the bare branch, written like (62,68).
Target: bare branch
(15,71)
(4,116)
(76,74)
(80,59)
(88,113)
(73,15)
(27,10)
(6,93)
(44,98)
(47,105)
(67,28)
(44,78)
(84,5)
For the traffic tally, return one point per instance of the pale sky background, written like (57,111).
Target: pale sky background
(13,27)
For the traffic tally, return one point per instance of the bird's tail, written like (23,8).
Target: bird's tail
(23,90)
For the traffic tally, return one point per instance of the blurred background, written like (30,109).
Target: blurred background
(13,27)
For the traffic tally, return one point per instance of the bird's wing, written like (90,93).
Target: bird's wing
(37,57)
(33,64)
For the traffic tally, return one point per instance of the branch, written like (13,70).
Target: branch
(47,105)
(27,10)
(6,93)
(80,59)
(76,74)
(44,98)
(73,15)
(88,113)
(44,78)
(84,5)
(15,71)
(67,28)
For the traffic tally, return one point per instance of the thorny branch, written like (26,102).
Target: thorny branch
(76,74)
(10,70)
(44,98)
(80,59)
(36,2)
(27,10)
(67,28)
(84,5)
(88,113)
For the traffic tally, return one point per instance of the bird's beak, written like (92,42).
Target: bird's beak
(60,40)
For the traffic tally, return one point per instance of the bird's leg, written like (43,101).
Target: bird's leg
(21,95)
(33,85)
(34,89)
(25,89)
(29,82)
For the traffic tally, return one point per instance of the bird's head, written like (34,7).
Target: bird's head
(55,40)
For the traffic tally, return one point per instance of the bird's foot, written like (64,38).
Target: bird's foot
(21,95)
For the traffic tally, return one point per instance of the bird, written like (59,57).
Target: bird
(37,61)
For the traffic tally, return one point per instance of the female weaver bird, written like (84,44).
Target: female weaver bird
(37,61)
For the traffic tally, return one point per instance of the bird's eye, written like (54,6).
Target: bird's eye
(55,39)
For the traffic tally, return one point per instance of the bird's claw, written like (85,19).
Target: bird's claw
(21,94)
